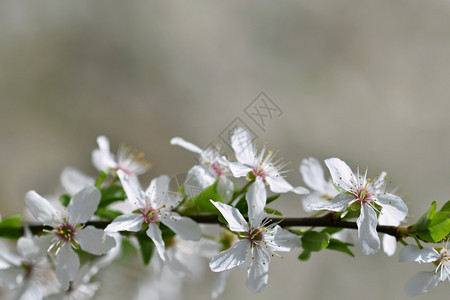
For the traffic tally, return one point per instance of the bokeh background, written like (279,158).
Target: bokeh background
(366,81)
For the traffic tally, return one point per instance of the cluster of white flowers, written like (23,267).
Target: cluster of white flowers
(86,234)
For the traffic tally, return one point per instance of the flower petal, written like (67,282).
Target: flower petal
(385,218)
(225,188)
(28,247)
(258,273)
(311,199)
(299,190)
(421,283)
(155,234)
(236,221)
(134,192)
(238,169)
(31,290)
(11,276)
(157,191)
(393,205)
(339,203)
(129,222)
(369,241)
(41,208)
(198,178)
(389,244)
(241,142)
(230,258)
(95,241)
(256,201)
(84,204)
(414,253)
(102,158)
(74,181)
(186,145)
(285,240)
(184,227)
(312,174)
(67,265)
(219,284)
(278,184)
(341,173)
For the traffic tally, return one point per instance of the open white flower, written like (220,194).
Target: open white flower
(68,230)
(28,272)
(322,190)
(81,288)
(128,160)
(261,167)
(422,282)
(259,240)
(212,166)
(154,206)
(366,193)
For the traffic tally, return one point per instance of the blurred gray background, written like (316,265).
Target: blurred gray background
(365,81)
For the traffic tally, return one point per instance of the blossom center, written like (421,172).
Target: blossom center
(363,196)
(150,214)
(128,172)
(216,168)
(259,172)
(29,268)
(66,232)
(255,236)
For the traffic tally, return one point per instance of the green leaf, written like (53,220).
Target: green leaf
(272,198)
(338,245)
(446,207)
(269,211)
(433,226)
(64,199)
(305,255)
(111,194)
(315,241)
(439,226)
(12,221)
(166,232)
(331,230)
(203,199)
(242,206)
(147,246)
(201,202)
(101,177)
(107,213)
(425,220)
(11,227)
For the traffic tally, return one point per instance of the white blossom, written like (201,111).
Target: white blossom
(212,167)
(128,160)
(69,231)
(260,166)
(365,193)
(28,272)
(154,206)
(259,241)
(322,190)
(423,281)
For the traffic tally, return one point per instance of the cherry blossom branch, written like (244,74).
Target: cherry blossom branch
(327,220)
